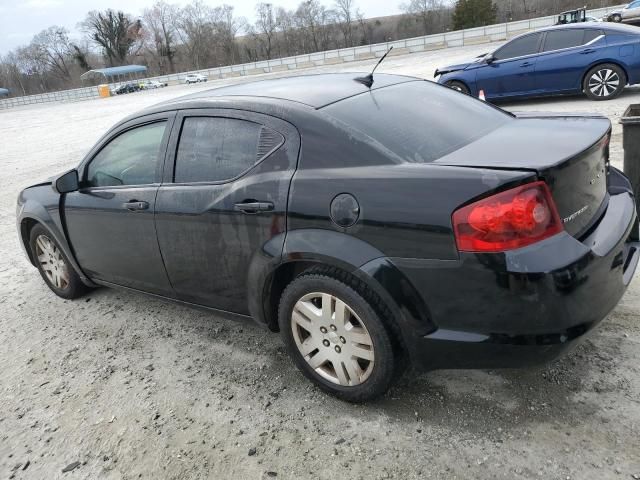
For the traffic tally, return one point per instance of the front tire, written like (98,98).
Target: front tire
(604,82)
(616,18)
(336,336)
(459,86)
(54,266)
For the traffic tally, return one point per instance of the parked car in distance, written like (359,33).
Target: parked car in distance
(630,13)
(151,85)
(352,220)
(125,88)
(195,78)
(595,58)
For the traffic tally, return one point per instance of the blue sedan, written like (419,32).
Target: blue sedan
(597,59)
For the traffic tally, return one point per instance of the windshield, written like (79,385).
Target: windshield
(419,121)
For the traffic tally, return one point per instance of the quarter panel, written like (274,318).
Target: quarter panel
(405,209)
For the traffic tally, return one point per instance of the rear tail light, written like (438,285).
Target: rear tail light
(511,219)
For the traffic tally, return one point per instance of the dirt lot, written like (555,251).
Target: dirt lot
(133,387)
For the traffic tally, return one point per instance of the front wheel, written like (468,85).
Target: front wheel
(53,265)
(604,82)
(616,18)
(336,336)
(459,86)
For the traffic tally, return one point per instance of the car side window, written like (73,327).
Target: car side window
(129,159)
(590,35)
(559,39)
(519,47)
(216,149)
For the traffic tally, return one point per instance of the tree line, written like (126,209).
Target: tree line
(168,38)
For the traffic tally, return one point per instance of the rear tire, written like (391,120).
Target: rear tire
(54,266)
(616,18)
(335,336)
(459,86)
(604,82)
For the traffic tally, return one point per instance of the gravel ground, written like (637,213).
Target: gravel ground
(119,385)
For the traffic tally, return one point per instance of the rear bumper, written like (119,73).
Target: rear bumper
(525,306)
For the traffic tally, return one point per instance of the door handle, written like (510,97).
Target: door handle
(526,64)
(253,207)
(134,205)
(587,50)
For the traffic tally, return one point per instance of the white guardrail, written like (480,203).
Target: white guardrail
(471,36)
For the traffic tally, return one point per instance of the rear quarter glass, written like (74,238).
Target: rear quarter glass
(420,121)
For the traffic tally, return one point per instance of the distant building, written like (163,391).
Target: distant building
(114,74)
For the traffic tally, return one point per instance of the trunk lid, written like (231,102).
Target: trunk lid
(569,152)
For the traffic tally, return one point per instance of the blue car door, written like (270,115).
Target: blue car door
(566,55)
(511,70)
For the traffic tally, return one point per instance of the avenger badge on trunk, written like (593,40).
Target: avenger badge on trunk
(575,214)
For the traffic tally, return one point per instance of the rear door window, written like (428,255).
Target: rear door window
(217,149)
(591,34)
(519,47)
(559,39)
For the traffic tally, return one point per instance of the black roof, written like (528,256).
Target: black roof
(316,91)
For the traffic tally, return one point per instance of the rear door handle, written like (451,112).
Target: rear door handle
(587,50)
(134,205)
(526,64)
(253,207)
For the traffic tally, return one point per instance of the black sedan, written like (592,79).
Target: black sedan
(375,226)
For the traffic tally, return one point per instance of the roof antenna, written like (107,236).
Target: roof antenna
(368,80)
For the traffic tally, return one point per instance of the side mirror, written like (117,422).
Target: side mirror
(489,58)
(67,182)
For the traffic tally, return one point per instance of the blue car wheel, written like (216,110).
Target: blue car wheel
(459,86)
(604,82)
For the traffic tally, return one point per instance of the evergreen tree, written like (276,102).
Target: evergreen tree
(473,13)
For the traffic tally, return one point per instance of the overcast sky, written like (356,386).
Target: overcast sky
(20,20)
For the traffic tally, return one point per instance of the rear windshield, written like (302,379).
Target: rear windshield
(419,121)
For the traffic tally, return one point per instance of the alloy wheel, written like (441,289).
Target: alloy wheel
(52,262)
(332,339)
(604,83)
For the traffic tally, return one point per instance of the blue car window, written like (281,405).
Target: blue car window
(519,47)
(558,39)
(591,34)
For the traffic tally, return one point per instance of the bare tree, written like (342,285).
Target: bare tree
(52,49)
(344,16)
(425,11)
(10,72)
(227,27)
(265,27)
(196,33)
(160,22)
(313,20)
(289,34)
(365,27)
(116,33)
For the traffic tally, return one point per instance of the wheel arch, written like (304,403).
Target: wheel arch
(459,80)
(33,213)
(603,62)
(26,225)
(355,258)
